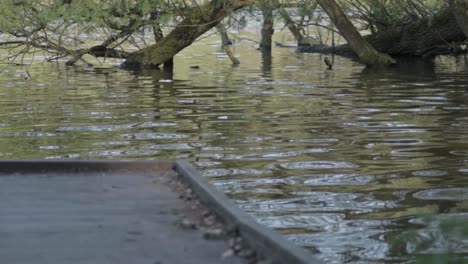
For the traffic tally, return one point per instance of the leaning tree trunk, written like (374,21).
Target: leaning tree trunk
(225,40)
(360,46)
(197,22)
(460,11)
(227,43)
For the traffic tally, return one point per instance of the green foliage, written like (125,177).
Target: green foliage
(381,15)
(441,240)
(10,16)
(65,28)
(17,16)
(61,27)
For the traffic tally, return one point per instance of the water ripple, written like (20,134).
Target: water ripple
(451,194)
(96,128)
(27,134)
(318,202)
(334,179)
(429,173)
(316,165)
(146,136)
(335,160)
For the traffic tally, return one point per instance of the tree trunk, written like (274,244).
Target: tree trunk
(225,40)
(424,38)
(197,22)
(301,40)
(227,43)
(460,11)
(158,36)
(366,53)
(267,28)
(427,37)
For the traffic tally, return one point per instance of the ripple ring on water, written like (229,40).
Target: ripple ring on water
(449,194)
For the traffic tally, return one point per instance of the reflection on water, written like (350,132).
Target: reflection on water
(338,161)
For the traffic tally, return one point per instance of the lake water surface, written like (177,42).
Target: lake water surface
(342,162)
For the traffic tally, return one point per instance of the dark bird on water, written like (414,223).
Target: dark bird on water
(328,63)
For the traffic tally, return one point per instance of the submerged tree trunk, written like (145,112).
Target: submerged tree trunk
(460,11)
(198,21)
(366,53)
(267,28)
(225,40)
(227,43)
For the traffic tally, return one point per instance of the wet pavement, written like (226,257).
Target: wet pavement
(98,217)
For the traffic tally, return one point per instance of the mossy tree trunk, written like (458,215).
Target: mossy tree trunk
(196,23)
(158,36)
(366,53)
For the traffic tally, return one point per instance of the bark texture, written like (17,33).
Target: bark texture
(267,28)
(366,53)
(460,12)
(197,22)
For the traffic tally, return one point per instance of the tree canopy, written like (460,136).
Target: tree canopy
(150,32)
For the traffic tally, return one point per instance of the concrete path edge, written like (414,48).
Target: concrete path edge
(264,241)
